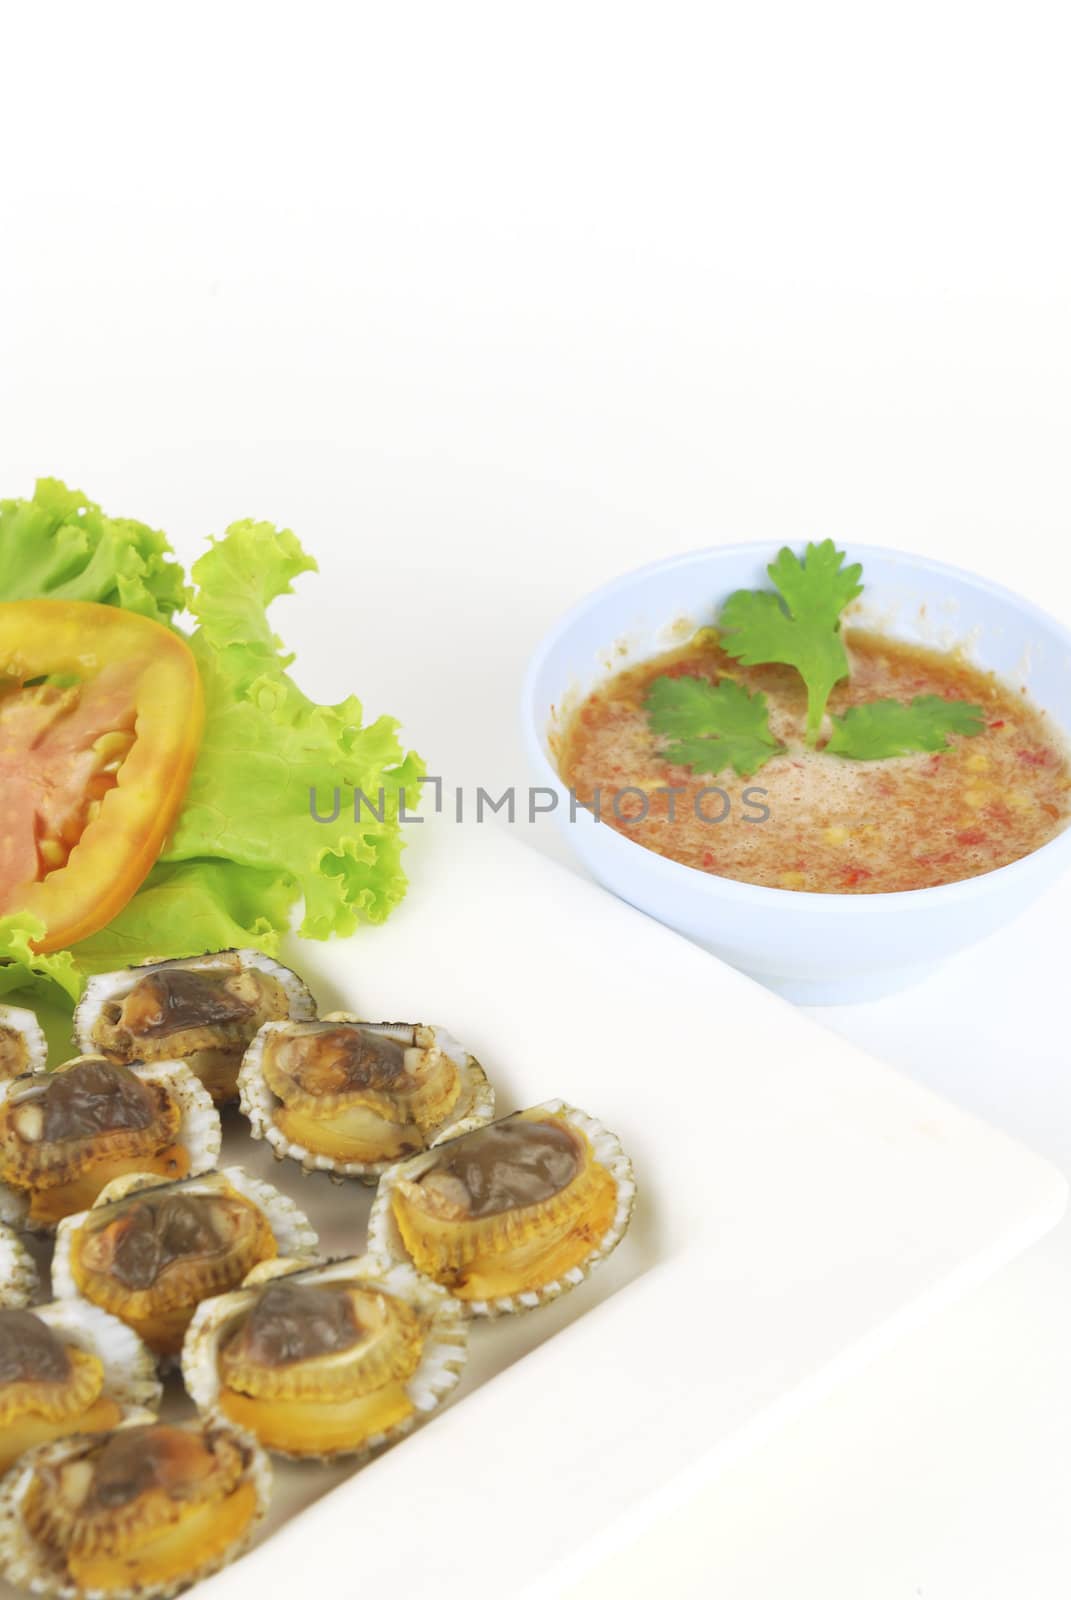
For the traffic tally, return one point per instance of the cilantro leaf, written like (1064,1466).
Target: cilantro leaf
(883,728)
(711,726)
(800,625)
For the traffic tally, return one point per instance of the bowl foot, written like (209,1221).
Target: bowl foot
(846,990)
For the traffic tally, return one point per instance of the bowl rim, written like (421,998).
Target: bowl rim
(829,902)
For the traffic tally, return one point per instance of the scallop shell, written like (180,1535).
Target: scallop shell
(385,1240)
(129,1367)
(95,1393)
(199,1127)
(18,1275)
(442,1355)
(28,1565)
(108,987)
(15,1020)
(277,1267)
(474,1107)
(292,1231)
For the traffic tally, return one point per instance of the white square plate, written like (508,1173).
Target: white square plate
(799,1203)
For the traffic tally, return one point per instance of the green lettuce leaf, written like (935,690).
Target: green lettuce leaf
(24,974)
(266,746)
(186,907)
(60,546)
(246,850)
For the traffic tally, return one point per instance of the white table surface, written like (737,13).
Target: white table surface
(490,304)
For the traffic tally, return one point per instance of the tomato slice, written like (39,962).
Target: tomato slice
(101,715)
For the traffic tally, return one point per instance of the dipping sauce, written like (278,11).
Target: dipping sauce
(817,822)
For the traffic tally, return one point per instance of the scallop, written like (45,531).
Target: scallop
(141,1511)
(151,1251)
(511,1215)
(65,1134)
(18,1275)
(351,1097)
(203,1010)
(66,1368)
(328,1360)
(22,1042)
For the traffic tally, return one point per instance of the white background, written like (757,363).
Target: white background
(507,299)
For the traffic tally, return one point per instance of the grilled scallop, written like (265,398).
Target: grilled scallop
(150,1252)
(67,1368)
(134,1514)
(511,1215)
(18,1275)
(22,1043)
(202,1009)
(329,1360)
(351,1097)
(65,1134)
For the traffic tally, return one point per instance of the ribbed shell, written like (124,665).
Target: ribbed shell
(106,987)
(293,1233)
(26,1565)
(199,1127)
(384,1238)
(129,1366)
(18,1275)
(442,1358)
(474,1107)
(25,1023)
